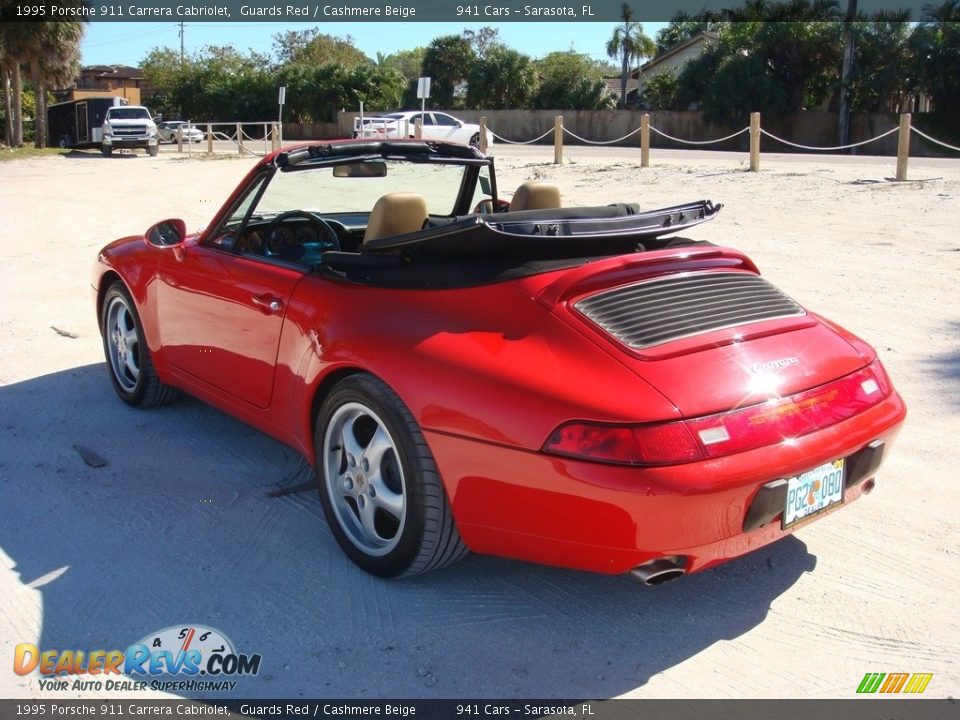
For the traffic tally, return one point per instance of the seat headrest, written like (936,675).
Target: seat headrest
(535,195)
(395,214)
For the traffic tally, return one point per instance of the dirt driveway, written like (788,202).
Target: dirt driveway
(176,528)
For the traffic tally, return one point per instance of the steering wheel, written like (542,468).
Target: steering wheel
(327,235)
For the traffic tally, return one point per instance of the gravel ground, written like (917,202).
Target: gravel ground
(176,528)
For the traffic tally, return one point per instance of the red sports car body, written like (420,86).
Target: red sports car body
(571,386)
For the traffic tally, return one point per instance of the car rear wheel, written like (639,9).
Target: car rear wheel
(128,357)
(379,485)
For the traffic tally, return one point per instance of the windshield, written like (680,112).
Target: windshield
(128,113)
(318,190)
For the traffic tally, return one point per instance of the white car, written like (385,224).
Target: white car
(436,126)
(168,131)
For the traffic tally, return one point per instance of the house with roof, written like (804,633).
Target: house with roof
(105,81)
(670,61)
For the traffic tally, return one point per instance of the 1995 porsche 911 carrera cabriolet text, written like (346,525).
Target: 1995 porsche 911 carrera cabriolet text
(576,386)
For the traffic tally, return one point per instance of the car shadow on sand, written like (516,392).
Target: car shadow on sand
(176,530)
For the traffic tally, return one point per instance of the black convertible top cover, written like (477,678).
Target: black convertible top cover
(544,234)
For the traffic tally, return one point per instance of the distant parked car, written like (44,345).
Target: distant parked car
(436,126)
(168,131)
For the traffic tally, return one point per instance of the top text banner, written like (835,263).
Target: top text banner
(351,11)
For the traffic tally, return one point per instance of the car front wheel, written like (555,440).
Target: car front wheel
(379,485)
(128,357)
(475,140)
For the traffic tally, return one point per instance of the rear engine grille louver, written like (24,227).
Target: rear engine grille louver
(658,311)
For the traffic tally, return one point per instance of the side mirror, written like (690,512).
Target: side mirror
(167,233)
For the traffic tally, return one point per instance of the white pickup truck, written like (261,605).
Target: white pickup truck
(129,126)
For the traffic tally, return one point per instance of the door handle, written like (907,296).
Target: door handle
(270,303)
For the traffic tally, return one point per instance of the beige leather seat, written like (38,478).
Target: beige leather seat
(395,214)
(535,196)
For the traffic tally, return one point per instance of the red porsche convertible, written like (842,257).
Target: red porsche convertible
(576,386)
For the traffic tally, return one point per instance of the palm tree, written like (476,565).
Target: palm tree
(52,51)
(628,42)
(14,53)
(54,60)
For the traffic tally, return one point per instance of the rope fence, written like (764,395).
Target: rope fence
(891,131)
(700,142)
(238,134)
(753,129)
(934,140)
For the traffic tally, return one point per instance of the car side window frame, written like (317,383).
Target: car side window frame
(257,187)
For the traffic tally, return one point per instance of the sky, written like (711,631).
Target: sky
(110,43)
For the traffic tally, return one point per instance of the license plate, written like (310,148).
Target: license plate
(813,492)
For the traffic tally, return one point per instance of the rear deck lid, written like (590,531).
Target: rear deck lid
(713,339)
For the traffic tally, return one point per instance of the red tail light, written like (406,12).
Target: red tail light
(665,444)
(682,441)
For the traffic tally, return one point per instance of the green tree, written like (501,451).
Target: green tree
(936,43)
(54,51)
(628,43)
(448,60)
(571,80)
(660,92)
(312,47)
(483,40)
(794,51)
(685,27)
(15,39)
(502,79)
(882,60)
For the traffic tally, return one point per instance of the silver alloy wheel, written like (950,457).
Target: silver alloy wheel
(364,479)
(124,344)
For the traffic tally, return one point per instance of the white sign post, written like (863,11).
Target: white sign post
(281,100)
(423,92)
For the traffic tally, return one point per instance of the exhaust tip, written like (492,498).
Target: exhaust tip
(660,571)
(869,485)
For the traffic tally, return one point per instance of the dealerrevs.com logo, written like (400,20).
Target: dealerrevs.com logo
(200,658)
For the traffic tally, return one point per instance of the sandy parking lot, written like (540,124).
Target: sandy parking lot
(176,528)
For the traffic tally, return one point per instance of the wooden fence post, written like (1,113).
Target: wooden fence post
(418,129)
(645,140)
(903,146)
(755,142)
(210,138)
(239,139)
(558,140)
(483,135)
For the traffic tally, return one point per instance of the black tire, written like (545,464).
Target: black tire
(154,150)
(422,536)
(475,140)
(107,151)
(128,358)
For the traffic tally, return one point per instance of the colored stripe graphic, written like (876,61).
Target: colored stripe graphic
(870,682)
(918,682)
(895,681)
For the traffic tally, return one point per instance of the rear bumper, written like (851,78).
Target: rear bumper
(610,519)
